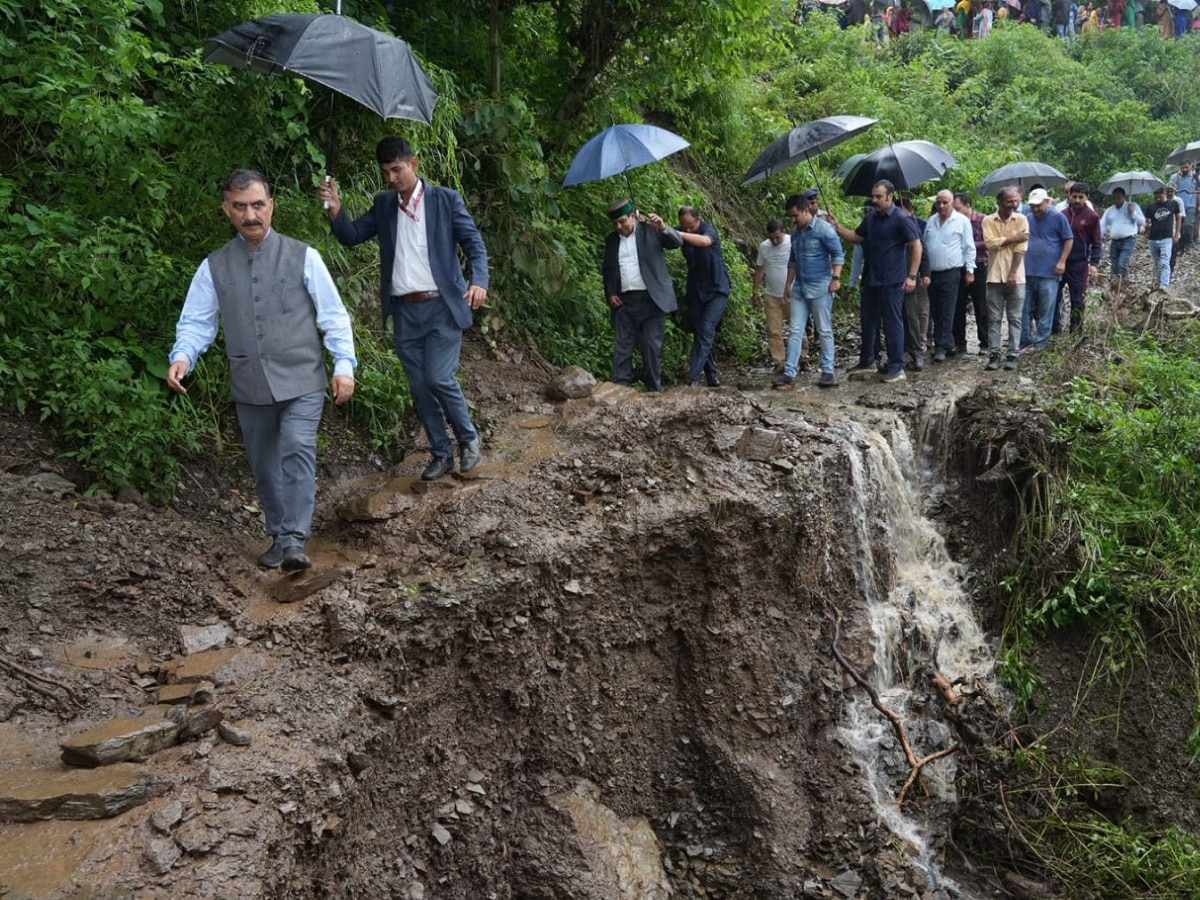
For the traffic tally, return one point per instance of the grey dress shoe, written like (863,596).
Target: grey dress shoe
(295,559)
(273,557)
(469,454)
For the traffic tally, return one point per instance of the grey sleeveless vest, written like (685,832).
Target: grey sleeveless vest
(269,319)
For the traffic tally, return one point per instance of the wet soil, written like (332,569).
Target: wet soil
(622,610)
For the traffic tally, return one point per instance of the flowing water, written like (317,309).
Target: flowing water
(919,611)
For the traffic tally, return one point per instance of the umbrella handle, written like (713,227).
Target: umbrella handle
(328,178)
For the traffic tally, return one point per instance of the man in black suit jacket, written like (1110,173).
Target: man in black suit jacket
(639,289)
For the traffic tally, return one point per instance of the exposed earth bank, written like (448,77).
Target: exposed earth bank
(599,668)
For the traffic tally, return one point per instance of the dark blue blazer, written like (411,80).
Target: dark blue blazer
(447,225)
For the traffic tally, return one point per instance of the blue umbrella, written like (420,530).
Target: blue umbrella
(616,150)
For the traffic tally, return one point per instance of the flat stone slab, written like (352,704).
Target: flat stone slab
(228,666)
(184,693)
(198,638)
(118,740)
(76,794)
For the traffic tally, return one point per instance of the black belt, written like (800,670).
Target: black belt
(417,296)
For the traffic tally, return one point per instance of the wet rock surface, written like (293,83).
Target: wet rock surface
(599,667)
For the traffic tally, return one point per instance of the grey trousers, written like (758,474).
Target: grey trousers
(638,322)
(1004,300)
(281,445)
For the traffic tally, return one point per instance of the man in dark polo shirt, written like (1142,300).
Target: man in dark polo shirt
(885,233)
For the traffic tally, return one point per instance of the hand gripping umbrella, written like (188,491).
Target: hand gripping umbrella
(905,164)
(1132,183)
(617,149)
(376,69)
(1023,175)
(803,143)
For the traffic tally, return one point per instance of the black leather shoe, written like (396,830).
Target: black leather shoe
(295,559)
(469,454)
(713,380)
(273,557)
(438,466)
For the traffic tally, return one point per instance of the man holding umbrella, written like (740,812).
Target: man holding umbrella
(885,233)
(1185,183)
(420,227)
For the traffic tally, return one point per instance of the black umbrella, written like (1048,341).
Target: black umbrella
(804,142)
(905,164)
(1023,175)
(376,69)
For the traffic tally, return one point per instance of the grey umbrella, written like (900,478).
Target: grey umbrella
(1187,151)
(376,69)
(1023,175)
(1132,183)
(905,164)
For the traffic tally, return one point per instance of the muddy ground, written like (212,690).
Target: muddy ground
(598,668)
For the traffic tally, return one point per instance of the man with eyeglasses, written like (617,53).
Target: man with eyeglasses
(274,298)
(886,233)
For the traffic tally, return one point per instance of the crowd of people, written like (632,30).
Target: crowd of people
(1066,19)
(1023,272)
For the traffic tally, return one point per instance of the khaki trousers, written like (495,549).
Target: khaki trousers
(779,319)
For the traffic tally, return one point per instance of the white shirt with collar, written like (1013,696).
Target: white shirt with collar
(412,273)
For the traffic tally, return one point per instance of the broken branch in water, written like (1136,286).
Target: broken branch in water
(916,765)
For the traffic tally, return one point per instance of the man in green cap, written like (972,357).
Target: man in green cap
(639,290)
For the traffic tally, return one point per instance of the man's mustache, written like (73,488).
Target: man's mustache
(249,223)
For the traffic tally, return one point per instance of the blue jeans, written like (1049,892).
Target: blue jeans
(429,343)
(705,319)
(1120,252)
(1160,254)
(1044,295)
(816,301)
(281,445)
(882,305)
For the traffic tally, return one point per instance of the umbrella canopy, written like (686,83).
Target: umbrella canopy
(804,142)
(1187,151)
(1132,183)
(1185,5)
(905,164)
(848,166)
(617,149)
(1023,175)
(939,5)
(376,69)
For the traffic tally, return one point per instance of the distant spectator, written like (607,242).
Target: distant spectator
(983,20)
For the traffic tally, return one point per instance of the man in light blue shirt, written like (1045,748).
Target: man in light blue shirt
(950,249)
(813,276)
(272,296)
(1185,183)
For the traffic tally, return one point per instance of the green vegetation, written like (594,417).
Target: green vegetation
(114,137)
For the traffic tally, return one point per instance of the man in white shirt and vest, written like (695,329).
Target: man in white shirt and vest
(274,298)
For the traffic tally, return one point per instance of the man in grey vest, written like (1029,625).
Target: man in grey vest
(274,298)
